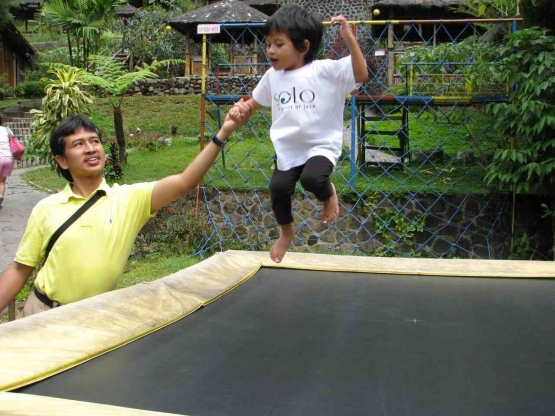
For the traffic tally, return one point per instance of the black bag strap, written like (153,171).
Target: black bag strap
(99,194)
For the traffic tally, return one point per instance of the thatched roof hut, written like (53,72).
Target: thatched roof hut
(126,11)
(268,7)
(226,11)
(25,10)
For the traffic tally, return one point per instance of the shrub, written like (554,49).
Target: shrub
(6,90)
(31,89)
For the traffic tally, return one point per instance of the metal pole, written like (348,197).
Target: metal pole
(354,140)
(390,55)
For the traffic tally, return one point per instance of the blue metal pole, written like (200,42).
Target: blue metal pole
(354,143)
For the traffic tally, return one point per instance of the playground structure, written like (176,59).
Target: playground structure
(416,142)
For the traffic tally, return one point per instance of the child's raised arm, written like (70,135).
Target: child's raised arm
(357,58)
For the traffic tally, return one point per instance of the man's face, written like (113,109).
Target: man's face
(84,155)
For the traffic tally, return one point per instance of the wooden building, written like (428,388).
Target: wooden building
(226,11)
(16,55)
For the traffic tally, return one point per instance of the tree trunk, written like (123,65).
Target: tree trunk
(120,136)
(69,46)
(552,212)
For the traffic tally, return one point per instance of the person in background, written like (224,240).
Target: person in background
(6,160)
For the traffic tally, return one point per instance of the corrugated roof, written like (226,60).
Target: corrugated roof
(126,10)
(226,11)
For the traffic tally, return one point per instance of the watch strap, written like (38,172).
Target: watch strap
(218,142)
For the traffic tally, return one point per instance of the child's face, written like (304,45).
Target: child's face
(282,53)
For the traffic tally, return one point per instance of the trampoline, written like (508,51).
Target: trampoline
(316,335)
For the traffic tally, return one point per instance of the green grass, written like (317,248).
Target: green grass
(39,33)
(153,268)
(143,166)
(146,165)
(468,130)
(152,114)
(254,157)
(8,102)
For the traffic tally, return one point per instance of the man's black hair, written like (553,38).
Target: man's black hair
(70,125)
(299,24)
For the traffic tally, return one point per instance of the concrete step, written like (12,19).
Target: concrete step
(17,114)
(30,104)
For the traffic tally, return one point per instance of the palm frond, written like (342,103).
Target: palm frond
(125,82)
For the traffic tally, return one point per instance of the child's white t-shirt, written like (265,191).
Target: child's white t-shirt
(307,109)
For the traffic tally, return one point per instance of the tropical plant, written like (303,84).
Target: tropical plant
(447,69)
(5,15)
(539,13)
(112,79)
(527,121)
(64,96)
(146,38)
(497,8)
(534,12)
(83,21)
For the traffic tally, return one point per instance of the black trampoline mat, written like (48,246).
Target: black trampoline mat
(289,342)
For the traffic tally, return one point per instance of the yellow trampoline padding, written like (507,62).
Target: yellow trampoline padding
(45,344)
(405,265)
(39,346)
(14,404)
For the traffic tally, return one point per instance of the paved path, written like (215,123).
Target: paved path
(20,200)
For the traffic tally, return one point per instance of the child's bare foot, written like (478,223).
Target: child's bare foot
(280,246)
(331,207)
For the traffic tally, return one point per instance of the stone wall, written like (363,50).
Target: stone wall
(456,226)
(239,84)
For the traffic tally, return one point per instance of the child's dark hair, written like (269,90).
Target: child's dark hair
(298,24)
(67,127)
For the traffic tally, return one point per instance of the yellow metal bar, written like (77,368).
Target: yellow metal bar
(366,22)
(203,82)
(430,21)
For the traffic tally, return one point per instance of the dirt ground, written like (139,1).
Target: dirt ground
(18,313)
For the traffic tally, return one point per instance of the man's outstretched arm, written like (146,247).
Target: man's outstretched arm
(172,187)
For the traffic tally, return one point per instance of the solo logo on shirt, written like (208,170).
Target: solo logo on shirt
(285,97)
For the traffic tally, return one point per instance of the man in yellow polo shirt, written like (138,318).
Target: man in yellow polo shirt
(90,255)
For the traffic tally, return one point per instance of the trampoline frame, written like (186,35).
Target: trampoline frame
(51,342)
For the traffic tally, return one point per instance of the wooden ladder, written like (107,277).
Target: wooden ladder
(372,114)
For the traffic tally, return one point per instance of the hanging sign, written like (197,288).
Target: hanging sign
(208,29)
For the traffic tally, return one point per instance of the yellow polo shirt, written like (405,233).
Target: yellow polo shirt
(90,255)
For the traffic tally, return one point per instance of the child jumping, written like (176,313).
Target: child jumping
(307,97)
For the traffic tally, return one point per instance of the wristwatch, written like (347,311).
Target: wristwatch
(218,142)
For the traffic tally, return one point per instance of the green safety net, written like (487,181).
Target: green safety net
(416,145)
